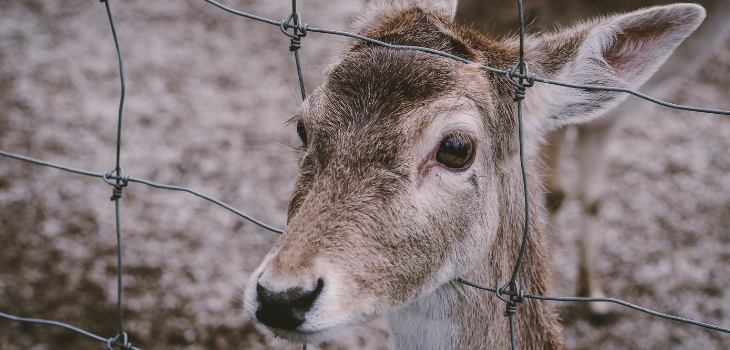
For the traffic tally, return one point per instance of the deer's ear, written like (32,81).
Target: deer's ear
(619,51)
(446,8)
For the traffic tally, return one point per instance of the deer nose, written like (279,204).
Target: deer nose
(285,310)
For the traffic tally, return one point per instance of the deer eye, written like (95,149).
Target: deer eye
(302,132)
(455,152)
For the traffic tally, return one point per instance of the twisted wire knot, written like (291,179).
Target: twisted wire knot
(117,191)
(511,310)
(295,44)
(300,30)
(516,295)
(111,342)
(519,93)
(521,86)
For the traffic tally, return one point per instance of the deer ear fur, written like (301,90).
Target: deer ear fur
(619,51)
(447,8)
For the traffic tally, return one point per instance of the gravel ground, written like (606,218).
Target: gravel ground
(208,94)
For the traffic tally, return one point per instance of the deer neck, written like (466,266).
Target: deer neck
(456,316)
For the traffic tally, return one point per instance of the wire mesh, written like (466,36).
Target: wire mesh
(518,76)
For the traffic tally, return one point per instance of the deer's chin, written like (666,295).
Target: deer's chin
(303,337)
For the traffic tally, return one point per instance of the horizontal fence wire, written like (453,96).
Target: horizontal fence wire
(524,80)
(306,28)
(606,300)
(63,325)
(144,182)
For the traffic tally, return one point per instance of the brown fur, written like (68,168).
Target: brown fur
(593,138)
(387,227)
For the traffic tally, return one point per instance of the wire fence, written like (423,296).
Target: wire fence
(519,76)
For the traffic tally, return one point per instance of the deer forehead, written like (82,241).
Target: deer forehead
(379,100)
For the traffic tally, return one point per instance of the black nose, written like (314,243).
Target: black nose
(285,310)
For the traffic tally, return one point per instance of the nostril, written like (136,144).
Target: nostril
(287,309)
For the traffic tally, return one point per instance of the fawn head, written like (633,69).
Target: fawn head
(408,159)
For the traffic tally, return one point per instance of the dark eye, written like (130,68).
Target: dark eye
(455,152)
(302,132)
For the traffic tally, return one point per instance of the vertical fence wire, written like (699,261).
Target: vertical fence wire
(520,93)
(117,192)
(520,71)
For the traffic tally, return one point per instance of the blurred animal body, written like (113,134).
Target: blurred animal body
(593,138)
(410,176)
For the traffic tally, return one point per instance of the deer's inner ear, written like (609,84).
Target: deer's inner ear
(302,132)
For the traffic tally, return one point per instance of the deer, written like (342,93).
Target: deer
(593,138)
(410,176)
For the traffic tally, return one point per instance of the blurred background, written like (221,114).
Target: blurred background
(208,95)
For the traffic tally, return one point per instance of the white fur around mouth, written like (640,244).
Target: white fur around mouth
(305,336)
